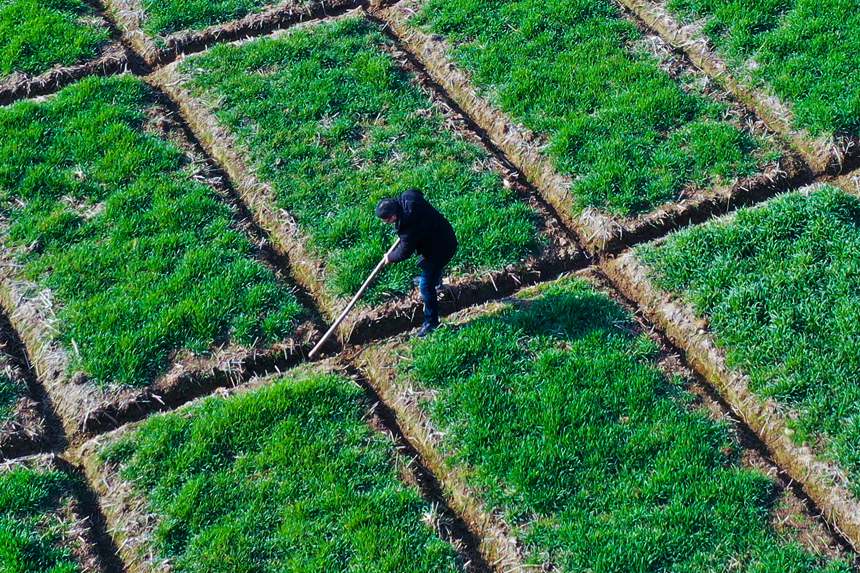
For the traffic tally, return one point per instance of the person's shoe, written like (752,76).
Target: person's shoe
(427,328)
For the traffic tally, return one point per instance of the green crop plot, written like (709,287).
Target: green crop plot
(335,125)
(780,286)
(631,137)
(164,17)
(805,50)
(619,474)
(35,524)
(287,478)
(37,35)
(142,259)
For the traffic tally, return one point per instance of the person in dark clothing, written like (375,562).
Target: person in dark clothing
(423,230)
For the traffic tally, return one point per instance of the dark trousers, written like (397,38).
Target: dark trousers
(431,275)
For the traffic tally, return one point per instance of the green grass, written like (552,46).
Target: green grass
(142,260)
(564,425)
(287,478)
(163,17)
(780,286)
(334,125)
(32,523)
(37,35)
(632,137)
(10,392)
(805,50)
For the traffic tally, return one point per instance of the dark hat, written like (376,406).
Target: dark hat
(388,207)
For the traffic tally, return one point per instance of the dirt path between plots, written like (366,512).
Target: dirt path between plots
(448,523)
(132,525)
(26,431)
(850,183)
(824,482)
(129,17)
(824,155)
(559,255)
(598,232)
(111,60)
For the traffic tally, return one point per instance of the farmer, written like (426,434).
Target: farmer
(424,230)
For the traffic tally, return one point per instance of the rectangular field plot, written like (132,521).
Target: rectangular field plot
(549,412)
(123,269)
(318,125)
(287,476)
(160,29)
(619,134)
(42,526)
(43,40)
(802,51)
(766,302)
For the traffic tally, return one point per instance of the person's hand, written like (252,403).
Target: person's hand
(385,261)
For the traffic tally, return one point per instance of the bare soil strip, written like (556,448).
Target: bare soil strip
(597,231)
(823,481)
(26,431)
(90,509)
(81,536)
(850,182)
(129,16)
(823,155)
(560,255)
(131,525)
(795,515)
(112,60)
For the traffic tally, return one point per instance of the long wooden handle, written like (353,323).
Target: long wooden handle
(354,300)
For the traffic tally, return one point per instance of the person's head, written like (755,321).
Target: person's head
(389,210)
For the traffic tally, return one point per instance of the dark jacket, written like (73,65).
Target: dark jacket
(423,230)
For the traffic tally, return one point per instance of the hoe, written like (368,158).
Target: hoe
(354,300)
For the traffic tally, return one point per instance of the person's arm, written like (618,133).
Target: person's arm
(403,251)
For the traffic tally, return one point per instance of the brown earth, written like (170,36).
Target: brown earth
(111,60)
(129,16)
